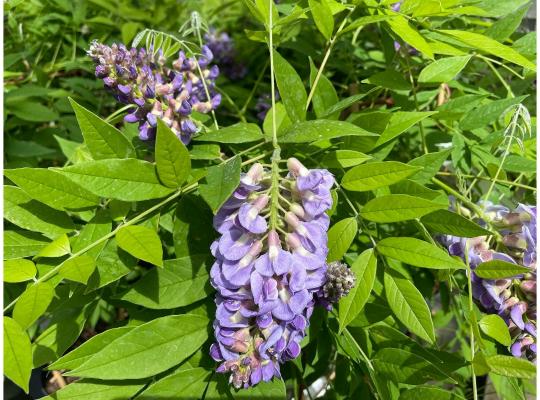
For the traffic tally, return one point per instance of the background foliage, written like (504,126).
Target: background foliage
(107,257)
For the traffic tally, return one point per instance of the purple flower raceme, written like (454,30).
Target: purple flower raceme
(222,46)
(141,78)
(268,271)
(264,104)
(514,299)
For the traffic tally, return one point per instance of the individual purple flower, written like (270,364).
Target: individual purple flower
(268,273)
(156,91)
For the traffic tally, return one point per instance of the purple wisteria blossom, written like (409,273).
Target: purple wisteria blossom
(264,104)
(514,299)
(141,78)
(222,46)
(268,270)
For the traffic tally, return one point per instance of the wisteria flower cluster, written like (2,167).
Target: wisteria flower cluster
(514,299)
(222,46)
(141,78)
(268,271)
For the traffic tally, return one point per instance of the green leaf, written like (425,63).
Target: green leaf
(495,327)
(172,158)
(112,264)
(341,105)
(429,392)
(52,188)
(344,159)
(96,390)
(401,27)
(375,175)
(340,238)
(398,207)
(369,19)
(103,140)
(504,27)
(365,269)
(511,367)
(221,181)
(405,367)
(322,15)
(33,303)
(21,210)
(400,121)
(78,269)
(320,129)
(487,113)
(181,282)
(450,223)
(84,352)
(57,248)
(127,180)
(205,152)
(190,230)
(291,89)
(499,269)
(430,163)
(191,383)
(63,330)
(142,243)
(408,305)
(238,133)
(94,230)
(33,111)
(19,270)
(17,354)
(389,79)
(19,244)
(273,390)
(443,70)
(490,46)
(325,95)
(152,347)
(418,253)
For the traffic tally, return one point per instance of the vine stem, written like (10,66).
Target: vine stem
(276,155)
(331,43)
(485,178)
(513,125)
(471,315)
(132,221)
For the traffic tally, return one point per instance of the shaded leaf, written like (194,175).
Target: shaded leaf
(141,242)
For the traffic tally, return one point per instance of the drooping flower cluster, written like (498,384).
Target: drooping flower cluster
(264,103)
(270,265)
(222,46)
(514,299)
(141,78)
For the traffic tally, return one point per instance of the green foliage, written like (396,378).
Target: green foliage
(107,239)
